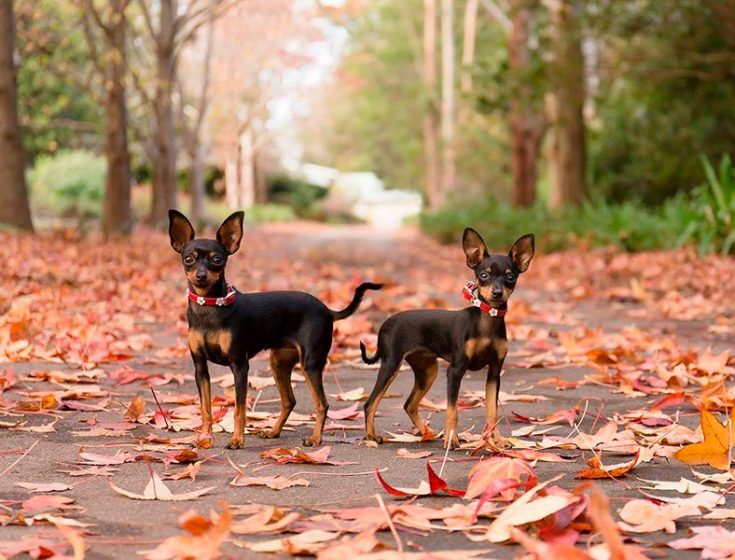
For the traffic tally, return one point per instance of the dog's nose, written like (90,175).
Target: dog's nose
(497,293)
(201,276)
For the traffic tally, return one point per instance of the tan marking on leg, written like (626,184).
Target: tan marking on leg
(238,437)
(205,408)
(319,411)
(196,340)
(370,413)
(282,362)
(451,439)
(425,372)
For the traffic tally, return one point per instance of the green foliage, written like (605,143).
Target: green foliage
(665,95)
(57,110)
(269,213)
(70,184)
(713,230)
(630,226)
(301,196)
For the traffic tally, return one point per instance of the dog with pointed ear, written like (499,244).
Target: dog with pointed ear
(469,339)
(228,327)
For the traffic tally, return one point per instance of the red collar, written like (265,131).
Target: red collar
(229,299)
(470,294)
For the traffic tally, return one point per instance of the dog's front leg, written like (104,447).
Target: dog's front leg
(201,374)
(455,373)
(492,391)
(240,371)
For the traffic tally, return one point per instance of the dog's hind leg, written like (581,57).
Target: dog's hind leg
(425,370)
(386,375)
(282,362)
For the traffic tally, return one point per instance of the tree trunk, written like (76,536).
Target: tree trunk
(468,49)
(525,124)
(431,148)
(246,173)
(449,178)
(164,167)
(117,217)
(565,105)
(196,183)
(14,207)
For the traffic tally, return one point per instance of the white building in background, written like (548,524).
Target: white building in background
(363,195)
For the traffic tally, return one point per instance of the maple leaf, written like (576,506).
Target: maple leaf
(715,449)
(426,488)
(495,473)
(157,490)
(526,509)
(204,540)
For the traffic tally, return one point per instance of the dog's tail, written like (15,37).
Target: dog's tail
(355,303)
(367,359)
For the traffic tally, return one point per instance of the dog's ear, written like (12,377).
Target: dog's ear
(180,230)
(522,251)
(474,247)
(229,233)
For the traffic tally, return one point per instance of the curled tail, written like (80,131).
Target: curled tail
(367,359)
(355,303)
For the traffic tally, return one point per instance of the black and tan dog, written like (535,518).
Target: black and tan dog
(469,339)
(228,327)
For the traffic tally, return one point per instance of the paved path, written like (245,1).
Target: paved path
(119,526)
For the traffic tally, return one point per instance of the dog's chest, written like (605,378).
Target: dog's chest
(482,350)
(214,344)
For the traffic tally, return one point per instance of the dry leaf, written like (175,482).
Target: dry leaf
(715,449)
(157,490)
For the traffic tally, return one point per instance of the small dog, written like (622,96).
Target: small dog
(228,327)
(468,339)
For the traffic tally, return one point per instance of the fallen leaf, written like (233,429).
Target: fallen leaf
(203,542)
(715,449)
(277,482)
(157,490)
(643,516)
(135,409)
(39,487)
(715,542)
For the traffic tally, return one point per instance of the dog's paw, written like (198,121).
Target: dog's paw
(268,434)
(312,441)
(452,443)
(377,439)
(205,441)
(235,443)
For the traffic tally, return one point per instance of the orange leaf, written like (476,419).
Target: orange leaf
(715,449)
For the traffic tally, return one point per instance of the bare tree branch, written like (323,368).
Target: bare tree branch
(498,15)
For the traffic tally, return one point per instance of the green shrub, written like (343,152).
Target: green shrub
(631,226)
(269,213)
(70,184)
(712,227)
(299,195)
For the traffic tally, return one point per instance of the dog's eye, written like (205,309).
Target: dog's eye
(510,277)
(484,276)
(216,260)
(188,260)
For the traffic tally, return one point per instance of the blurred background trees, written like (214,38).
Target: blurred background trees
(524,107)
